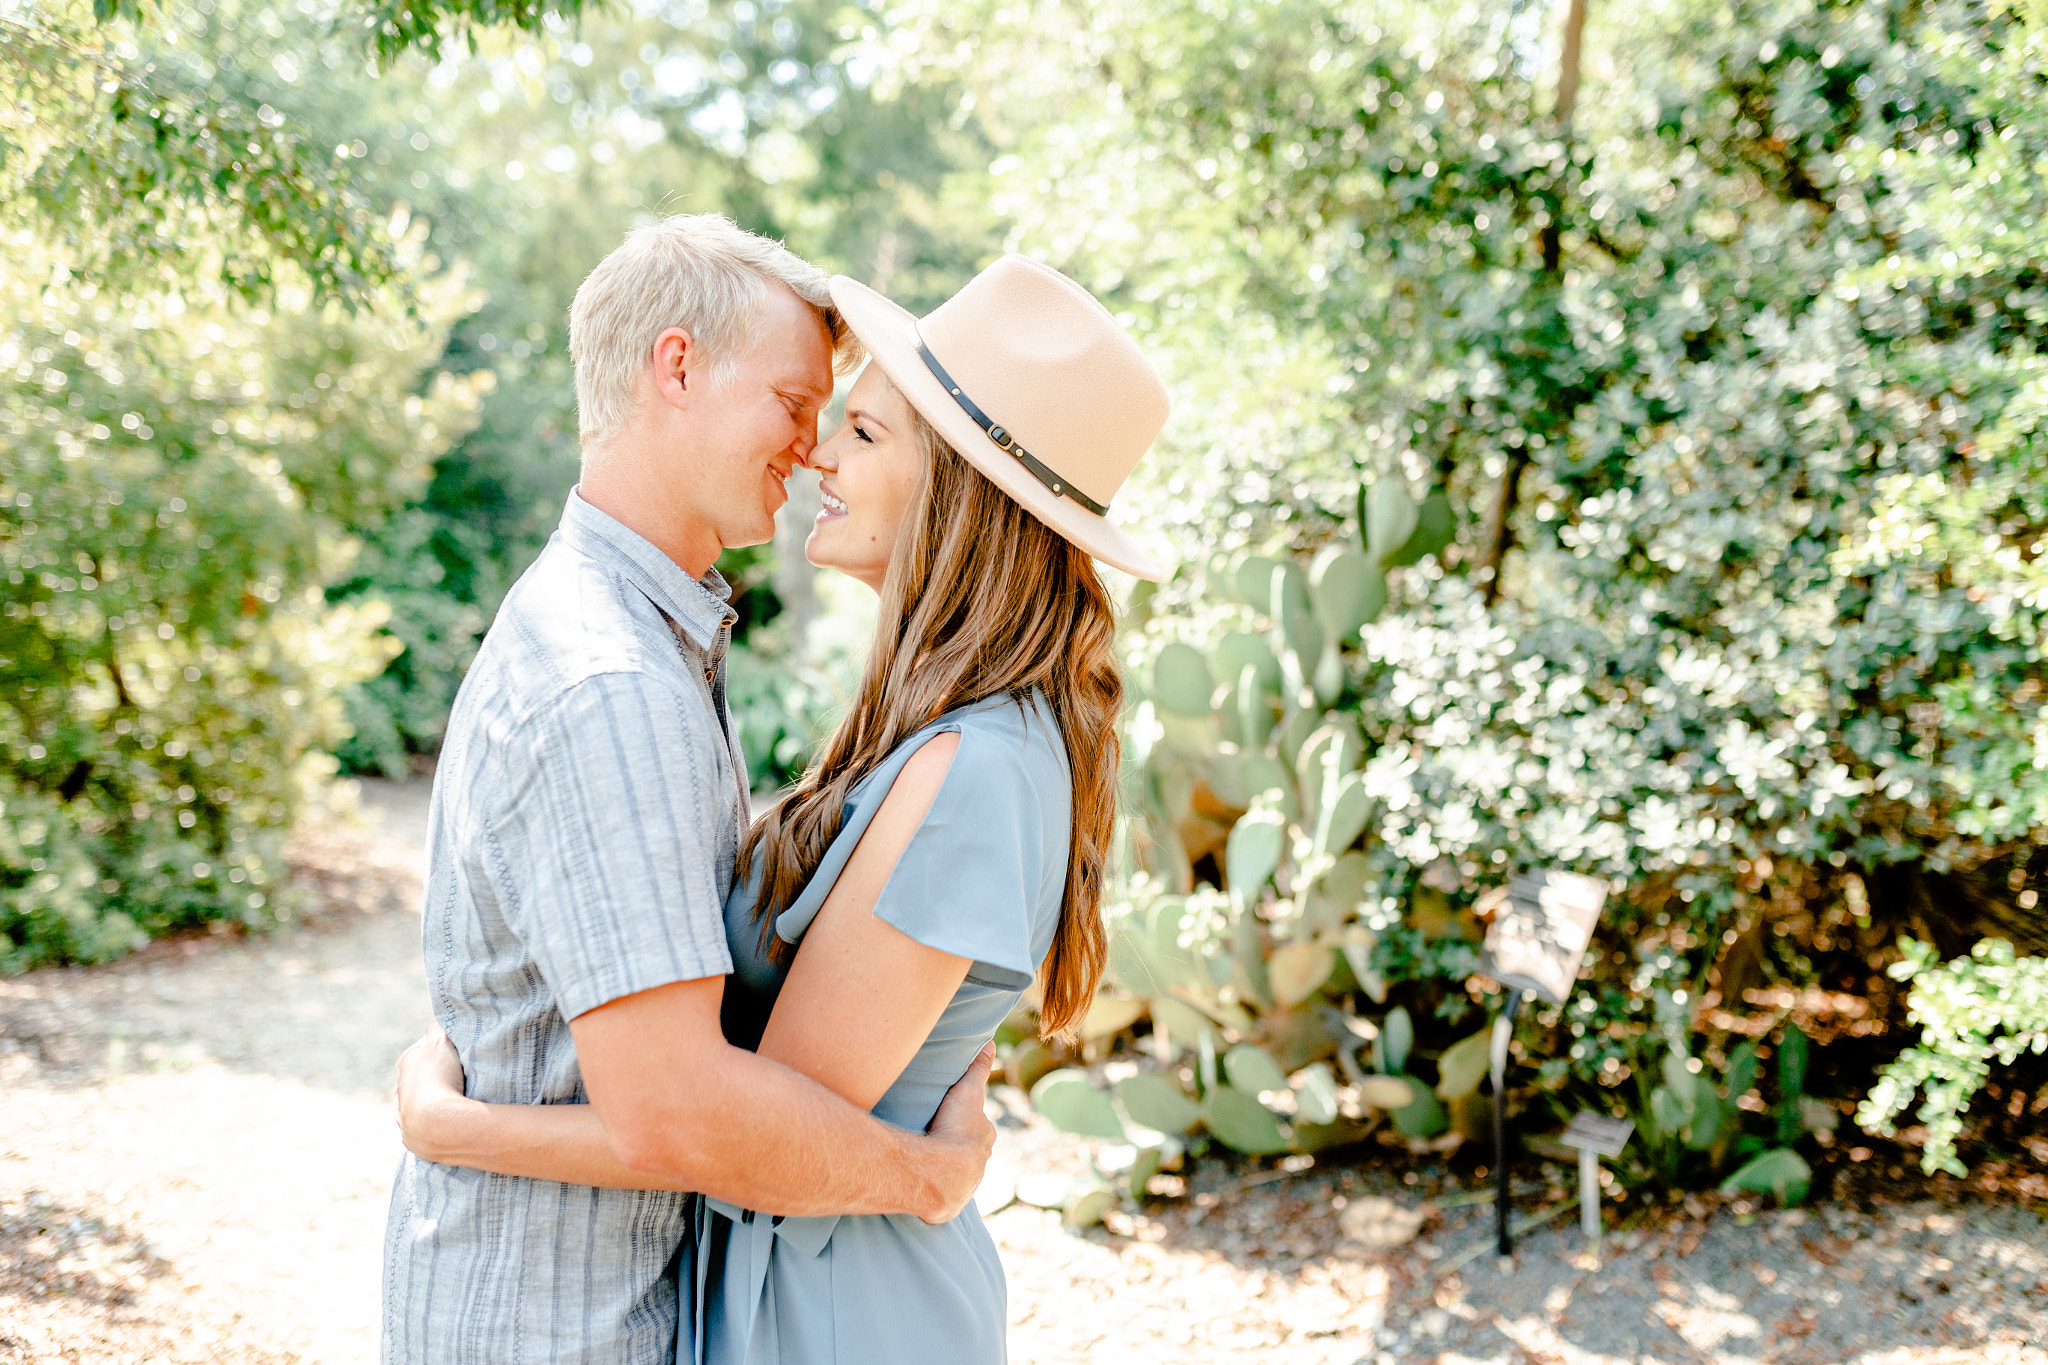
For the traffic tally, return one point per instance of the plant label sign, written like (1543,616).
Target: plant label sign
(1541,933)
(1595,1135)
(1598,1133)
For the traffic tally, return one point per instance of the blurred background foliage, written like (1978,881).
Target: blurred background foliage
(1605,438)
(1720,334)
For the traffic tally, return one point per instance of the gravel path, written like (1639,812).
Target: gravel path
(196,1144)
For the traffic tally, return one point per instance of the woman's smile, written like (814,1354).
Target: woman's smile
(875,460)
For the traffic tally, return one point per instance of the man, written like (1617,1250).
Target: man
(587,811)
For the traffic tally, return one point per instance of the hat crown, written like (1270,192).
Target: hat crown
(1043,359)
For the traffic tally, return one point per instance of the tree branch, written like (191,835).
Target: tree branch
(1568,65)
(1500,526)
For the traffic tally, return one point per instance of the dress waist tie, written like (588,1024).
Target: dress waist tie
(750,1243)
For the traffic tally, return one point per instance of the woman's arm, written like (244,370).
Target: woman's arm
(862,996)
(860,1000)
(564,1142)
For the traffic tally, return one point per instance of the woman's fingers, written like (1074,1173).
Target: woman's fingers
(430,1065)
(429,1073)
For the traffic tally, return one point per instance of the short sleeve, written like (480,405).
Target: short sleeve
(607,858)
(973,879)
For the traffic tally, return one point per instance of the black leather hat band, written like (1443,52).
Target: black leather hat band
(1001,435)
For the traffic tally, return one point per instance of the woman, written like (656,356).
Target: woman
(949,844)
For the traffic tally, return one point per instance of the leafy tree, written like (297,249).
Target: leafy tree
(217,354)
(177,476)
(153,160)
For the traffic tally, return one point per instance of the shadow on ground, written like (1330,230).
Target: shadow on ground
(53,1249)
(87,1289)
(1257,1262)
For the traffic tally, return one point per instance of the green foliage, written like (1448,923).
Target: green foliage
(177,477)
(1690,1122)
(1991,1004)
(1240,1122)
(1463,1066)
(153,161)
(223,342)
(1157,1102)
(1732,388)
(1074,1105)
(1781,1173)
(394,27)
(1256,978)
(1252,1071)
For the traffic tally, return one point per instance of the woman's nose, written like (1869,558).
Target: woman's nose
(824,456)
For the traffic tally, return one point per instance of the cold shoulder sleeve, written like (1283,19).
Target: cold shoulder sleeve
(983,875)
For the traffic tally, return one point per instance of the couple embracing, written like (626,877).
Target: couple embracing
(706,1090)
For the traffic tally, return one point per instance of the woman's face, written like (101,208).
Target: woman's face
(869,471)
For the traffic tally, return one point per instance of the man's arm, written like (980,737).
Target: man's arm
(678,1102)
(931,1177)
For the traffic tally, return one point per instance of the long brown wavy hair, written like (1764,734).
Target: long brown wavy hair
(981,599)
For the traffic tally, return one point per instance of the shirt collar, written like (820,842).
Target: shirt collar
(700,606)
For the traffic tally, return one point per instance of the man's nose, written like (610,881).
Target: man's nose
(802,449)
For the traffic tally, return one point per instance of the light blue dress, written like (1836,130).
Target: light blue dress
(983,878)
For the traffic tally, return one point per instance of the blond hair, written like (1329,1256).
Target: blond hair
(958,624)
(701,272)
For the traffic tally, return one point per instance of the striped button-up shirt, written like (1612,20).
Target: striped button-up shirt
(587,812)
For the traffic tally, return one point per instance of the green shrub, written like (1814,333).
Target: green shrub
(1991,1004)
(1690,1124)
(178,478)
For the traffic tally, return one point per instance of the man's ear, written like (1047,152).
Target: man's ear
(674,367)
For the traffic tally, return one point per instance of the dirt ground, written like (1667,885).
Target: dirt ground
(196,1146)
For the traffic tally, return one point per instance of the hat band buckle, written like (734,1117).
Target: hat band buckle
(1059,485)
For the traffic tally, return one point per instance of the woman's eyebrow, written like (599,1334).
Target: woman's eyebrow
(865,418)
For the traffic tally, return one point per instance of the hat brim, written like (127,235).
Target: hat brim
(888,332)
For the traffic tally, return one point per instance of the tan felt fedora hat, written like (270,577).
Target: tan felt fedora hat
(1033,382)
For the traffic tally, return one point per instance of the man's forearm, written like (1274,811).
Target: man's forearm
(682,1104)
(754,1133)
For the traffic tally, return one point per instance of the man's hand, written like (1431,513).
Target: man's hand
(429,1089)
(961,1138)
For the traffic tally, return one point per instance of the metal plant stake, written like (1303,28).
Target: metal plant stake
(1534,947)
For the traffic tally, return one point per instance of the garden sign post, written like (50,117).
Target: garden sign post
(1538,937)
(1595,1136)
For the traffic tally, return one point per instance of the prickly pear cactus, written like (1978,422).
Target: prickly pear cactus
(1240,957)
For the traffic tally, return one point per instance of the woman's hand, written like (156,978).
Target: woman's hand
(431,1106)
